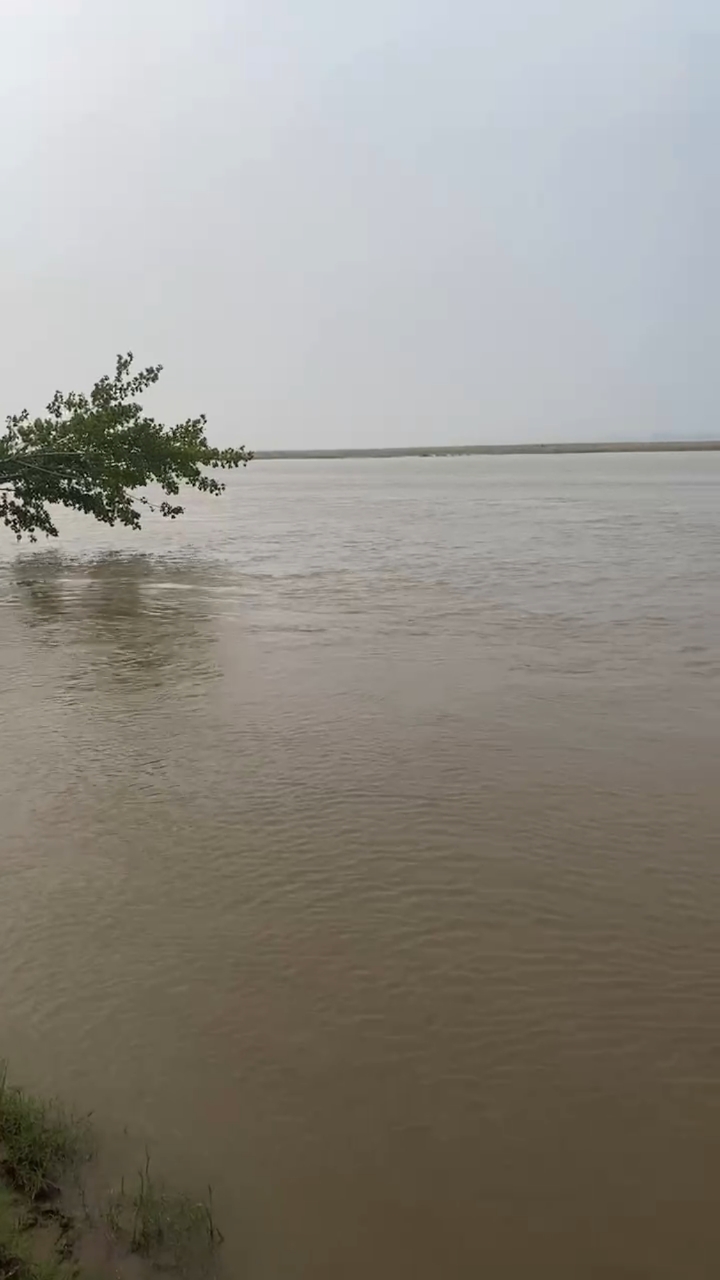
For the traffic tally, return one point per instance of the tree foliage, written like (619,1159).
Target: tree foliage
(98,453)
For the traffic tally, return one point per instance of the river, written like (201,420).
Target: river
(361,853)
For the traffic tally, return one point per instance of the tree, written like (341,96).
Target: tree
(97,453)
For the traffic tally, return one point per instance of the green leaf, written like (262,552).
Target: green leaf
(96,453)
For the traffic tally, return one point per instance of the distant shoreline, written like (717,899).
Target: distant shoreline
(462,450)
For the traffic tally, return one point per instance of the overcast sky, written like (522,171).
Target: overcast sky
(362,222)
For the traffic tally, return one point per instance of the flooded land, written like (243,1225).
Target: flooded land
(360,854)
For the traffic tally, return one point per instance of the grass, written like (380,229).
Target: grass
(41,1146)
(39,1142)
(172,1230)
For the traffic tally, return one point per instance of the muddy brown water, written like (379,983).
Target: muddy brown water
(360,851)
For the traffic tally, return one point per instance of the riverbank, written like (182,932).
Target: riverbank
(471,450)
(53,1228)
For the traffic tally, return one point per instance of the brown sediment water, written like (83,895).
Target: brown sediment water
(360,848)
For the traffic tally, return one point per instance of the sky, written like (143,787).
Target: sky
(354,223)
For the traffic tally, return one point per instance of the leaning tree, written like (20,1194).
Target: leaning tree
(98,453)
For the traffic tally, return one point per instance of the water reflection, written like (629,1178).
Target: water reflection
(135,618)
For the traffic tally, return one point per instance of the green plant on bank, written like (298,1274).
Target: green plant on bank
(94,453)
(171,1229)
(42,1149)
(39,1141)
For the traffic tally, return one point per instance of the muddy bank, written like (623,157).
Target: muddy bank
(56,1222)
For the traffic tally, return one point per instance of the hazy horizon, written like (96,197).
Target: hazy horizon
(393,226)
